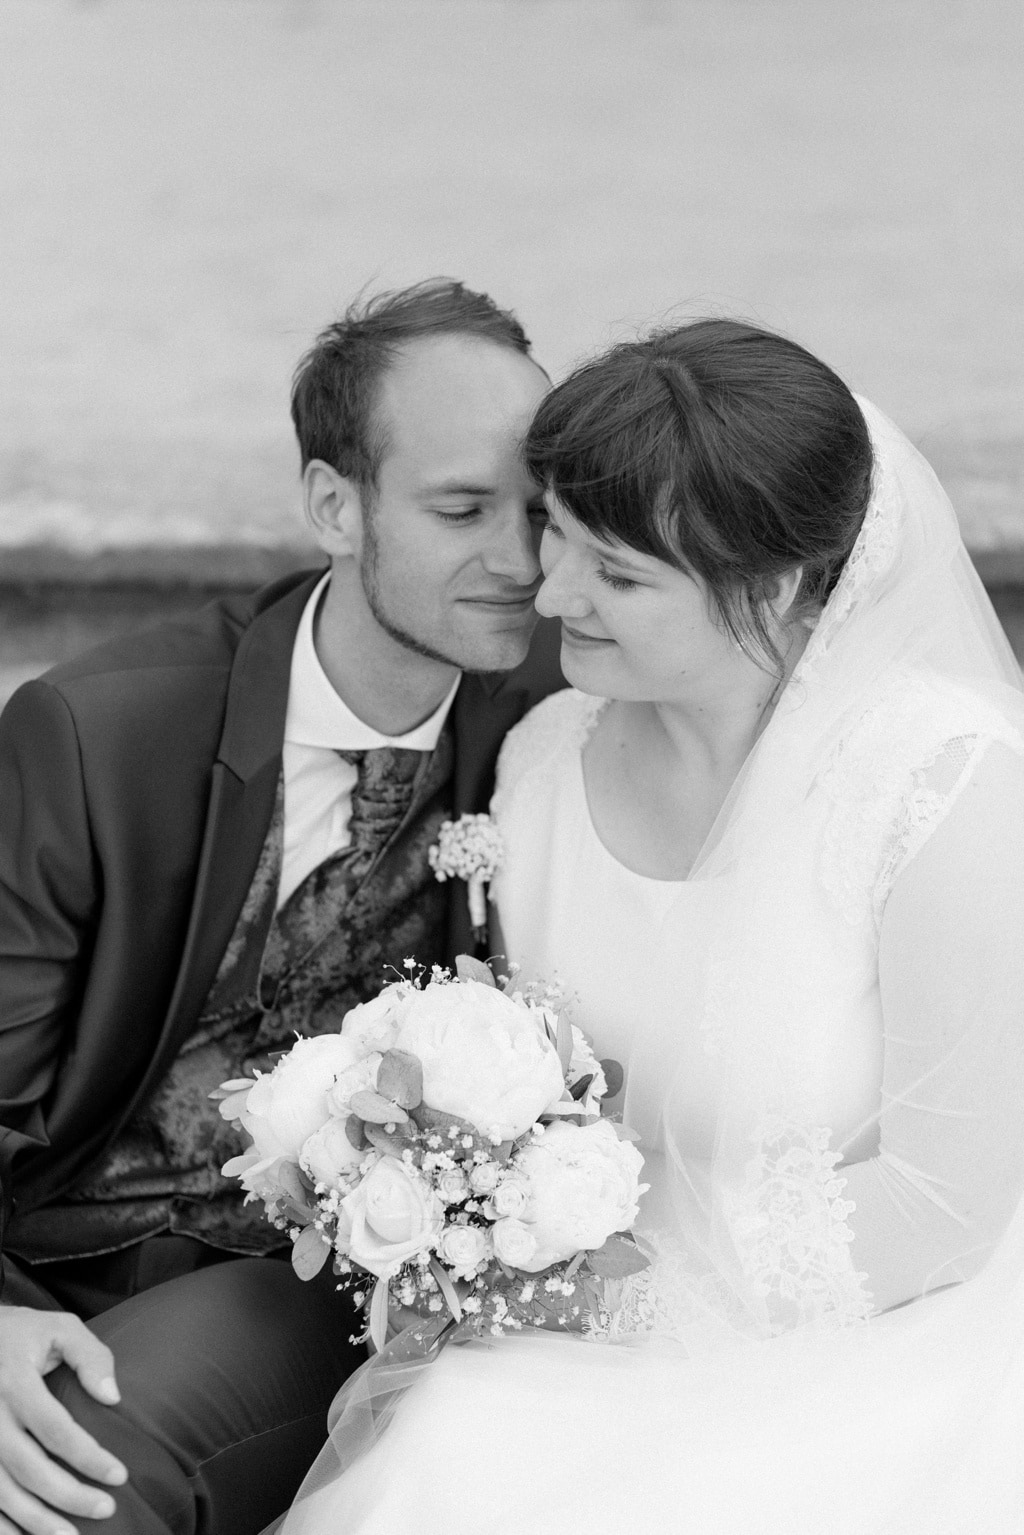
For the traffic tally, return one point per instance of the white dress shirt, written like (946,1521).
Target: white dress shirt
(318,783)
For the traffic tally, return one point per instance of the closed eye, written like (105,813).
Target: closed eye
(617,583)
(453,519)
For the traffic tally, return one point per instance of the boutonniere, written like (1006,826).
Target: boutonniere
(471,849)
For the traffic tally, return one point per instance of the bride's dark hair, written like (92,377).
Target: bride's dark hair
(719,448)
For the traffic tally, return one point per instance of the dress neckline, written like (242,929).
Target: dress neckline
(588,723)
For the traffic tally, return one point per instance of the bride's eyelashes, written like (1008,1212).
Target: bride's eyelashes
(617,583)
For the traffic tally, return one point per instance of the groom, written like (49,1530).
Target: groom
(214,835)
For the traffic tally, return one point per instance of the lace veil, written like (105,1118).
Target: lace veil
(904,685)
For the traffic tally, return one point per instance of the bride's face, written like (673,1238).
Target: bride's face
(633,627)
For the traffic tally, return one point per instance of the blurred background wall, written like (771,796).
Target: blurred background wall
(189,189)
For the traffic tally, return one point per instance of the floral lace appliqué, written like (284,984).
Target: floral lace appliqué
(894,778)
(789,1223)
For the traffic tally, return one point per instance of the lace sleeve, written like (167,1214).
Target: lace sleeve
(949,1171)
(897,777)
(559,721)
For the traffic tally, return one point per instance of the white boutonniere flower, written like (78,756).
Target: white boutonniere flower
(471,849)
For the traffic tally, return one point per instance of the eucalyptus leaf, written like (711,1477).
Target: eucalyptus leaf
(469,969)
(295,1214)
(356,1132)
(617,1258)
(614,1076)
(309,1253)
(563,1041)
(579,1089)
(391,1144)
(594,1296)
(447,1289)
(290,1180)
(400,1078)
(570,1272)
(436,1119)
(376,1109)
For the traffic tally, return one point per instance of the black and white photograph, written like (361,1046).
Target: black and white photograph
(511,767)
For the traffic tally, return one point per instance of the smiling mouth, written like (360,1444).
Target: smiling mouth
(524,601)
(577,637)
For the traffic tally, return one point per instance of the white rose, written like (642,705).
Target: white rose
(510,1197)
(395,1214)
(286,1106)
(357,1079)
(453,1186)
(484,1177)
(485,1058)
(464,1249)
(584,1185)
(328,1156)
(515,1244)
(372,1025)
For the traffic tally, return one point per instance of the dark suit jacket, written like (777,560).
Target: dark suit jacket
(136,788)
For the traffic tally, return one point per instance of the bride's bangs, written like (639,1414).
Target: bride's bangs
(603,442)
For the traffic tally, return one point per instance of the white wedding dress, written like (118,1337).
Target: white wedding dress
(817,1160)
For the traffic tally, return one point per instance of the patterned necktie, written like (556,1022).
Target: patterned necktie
(381,797)
(380,800)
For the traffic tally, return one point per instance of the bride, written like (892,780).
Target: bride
(772,842)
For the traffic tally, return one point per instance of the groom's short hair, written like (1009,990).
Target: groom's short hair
(337,383)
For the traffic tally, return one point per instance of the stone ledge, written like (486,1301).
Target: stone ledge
(221,565)
(226,566)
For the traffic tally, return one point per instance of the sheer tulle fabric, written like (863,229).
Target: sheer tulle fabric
(831,1131)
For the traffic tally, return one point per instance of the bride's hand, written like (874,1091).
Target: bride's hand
(401,1317)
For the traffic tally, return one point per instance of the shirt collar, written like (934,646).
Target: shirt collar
(317,716)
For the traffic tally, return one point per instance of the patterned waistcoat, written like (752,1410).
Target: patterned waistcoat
(297,970)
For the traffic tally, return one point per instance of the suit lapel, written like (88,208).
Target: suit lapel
(242,791)
(486,707)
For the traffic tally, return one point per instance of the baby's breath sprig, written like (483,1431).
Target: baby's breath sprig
(470,848)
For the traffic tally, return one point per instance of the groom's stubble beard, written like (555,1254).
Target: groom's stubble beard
(369,573)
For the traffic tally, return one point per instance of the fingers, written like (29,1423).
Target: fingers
(29,1512)
(53,1427)
(93,1363)
(37,1494)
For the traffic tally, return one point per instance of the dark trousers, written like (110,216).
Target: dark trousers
(226,1374)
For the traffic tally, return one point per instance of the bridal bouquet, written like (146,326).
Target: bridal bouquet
(447,1144)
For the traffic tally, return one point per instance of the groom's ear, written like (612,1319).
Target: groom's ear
(334,510)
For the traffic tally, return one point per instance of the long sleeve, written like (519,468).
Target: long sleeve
(949,1170)
(47,900)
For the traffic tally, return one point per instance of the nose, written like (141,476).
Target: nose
(560,595)
(513,551)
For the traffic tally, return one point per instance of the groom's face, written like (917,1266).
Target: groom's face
(451,534)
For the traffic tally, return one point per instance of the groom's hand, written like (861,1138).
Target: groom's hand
(34,1427)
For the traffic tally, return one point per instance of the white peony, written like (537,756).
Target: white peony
(584,1185)
(372,1025)
(262,1177)
(357,1079)
(485,1058)
(284,1107)
(329,1157)
(395,1214)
